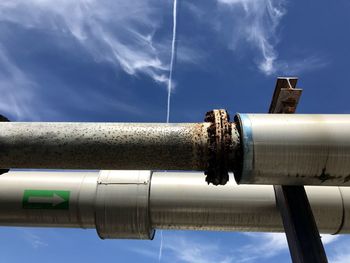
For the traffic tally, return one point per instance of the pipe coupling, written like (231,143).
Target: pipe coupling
(223,141)
(122,205)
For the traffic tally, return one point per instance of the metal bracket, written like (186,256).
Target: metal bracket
(286,96)
(303,238)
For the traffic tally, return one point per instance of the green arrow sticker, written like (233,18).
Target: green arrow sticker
(46,199)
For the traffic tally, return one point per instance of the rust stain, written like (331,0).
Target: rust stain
(289,105)
(346,179)
(219,146)
(200,149)
(325,176)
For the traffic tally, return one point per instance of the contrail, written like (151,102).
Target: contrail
(161,246)
(173,54)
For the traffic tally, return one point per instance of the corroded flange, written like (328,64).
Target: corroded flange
(219,144)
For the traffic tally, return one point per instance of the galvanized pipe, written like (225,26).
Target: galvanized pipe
(131,204)
(184,201)
(294,149)
(20,199)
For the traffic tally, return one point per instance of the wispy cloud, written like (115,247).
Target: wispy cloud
(188,250)
(121,32)
(252,247)
(128,36)
(328,239)
(341,258)
(182,248)
(32,238)
(262,245)
(256,23)
(298,66)
(15,86)
(338,252)
(268,245)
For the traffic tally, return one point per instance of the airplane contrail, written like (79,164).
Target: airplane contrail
(173,54)
(161,246)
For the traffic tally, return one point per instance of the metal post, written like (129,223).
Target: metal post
(303,237)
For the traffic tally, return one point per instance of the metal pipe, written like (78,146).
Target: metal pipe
(184,201)
(131,204)
(294,149)
(36,198)
(279,149)
(104,145)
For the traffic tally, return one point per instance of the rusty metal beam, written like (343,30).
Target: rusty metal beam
(286,96)
(303,237)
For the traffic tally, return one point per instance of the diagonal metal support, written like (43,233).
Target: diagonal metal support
(303,237)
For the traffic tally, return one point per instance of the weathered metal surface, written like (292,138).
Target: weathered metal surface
(125,204)
(295,149)
(286,96)
(223,140)
(122,205)
(81,186)
(104,146)
(272,146)
(184,201)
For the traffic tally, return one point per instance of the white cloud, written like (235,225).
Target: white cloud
(33,239)
(256,22)
(262,245)
(121,32)
(268,245)
(248,248)
(328,239)
(16,88)
(124,34)
(298,66)
(341,258)
(339,252)
(182,249)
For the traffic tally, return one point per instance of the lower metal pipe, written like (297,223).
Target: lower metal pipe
(131,204)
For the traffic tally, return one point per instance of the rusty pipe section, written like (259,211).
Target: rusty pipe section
(209,146)
(158,146)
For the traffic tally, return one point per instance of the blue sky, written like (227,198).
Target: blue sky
(107,60)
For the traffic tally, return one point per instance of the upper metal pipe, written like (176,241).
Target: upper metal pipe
(280,149)
(158,146)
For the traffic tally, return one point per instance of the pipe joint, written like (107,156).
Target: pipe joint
(122,205)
